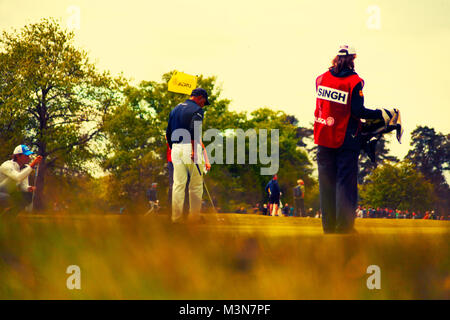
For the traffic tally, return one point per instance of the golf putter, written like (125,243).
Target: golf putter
(206,188)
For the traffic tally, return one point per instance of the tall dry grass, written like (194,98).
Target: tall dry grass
(238,257)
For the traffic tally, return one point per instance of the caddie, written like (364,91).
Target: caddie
(15,191)
(337,132)
(184,138)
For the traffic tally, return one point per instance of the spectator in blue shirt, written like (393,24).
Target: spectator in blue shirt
(273,189)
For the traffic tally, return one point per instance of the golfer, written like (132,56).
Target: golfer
(15,192)
(339,108)
(186,153)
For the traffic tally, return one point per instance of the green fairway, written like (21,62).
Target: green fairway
(229,256)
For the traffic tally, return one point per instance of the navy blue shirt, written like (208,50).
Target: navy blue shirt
(353,136)
(152,195)
(274,188)
(183,116)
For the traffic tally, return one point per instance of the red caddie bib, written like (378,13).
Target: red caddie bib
(333,108)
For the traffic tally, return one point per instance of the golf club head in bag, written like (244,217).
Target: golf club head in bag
(373,129)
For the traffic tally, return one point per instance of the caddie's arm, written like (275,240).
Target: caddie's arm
(358,109)
(361,112)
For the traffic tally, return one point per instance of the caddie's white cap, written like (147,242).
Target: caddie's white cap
(346,50)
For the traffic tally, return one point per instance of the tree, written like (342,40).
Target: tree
(431,154)
(398,186)
(54,96)
(305,133)
(11,133)
(131,157)
(293,157)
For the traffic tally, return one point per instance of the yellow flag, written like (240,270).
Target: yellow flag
(182,83)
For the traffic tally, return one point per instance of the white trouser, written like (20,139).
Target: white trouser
(182,167)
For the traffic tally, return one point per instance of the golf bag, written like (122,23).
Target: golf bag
(373,130)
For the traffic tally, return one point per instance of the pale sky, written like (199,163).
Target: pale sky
(268,53)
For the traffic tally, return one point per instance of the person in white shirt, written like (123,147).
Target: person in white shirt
(15,192)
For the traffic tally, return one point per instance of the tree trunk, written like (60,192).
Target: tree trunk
(39,204)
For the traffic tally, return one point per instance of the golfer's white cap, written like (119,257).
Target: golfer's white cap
(345,50)
(22,149)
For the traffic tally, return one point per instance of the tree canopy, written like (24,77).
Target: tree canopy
(398,186)
(430,153)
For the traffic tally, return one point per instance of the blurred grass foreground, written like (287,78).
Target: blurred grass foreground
(228,256)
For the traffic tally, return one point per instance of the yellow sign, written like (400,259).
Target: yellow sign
(182,83)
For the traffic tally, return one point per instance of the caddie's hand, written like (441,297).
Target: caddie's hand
(31,188)
(36,161)
(389,115)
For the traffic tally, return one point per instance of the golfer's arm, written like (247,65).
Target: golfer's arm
(196,119)
(205,154)
(169,135)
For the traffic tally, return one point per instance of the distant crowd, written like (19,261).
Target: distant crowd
(285,210)
(361,212)
(364,212)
